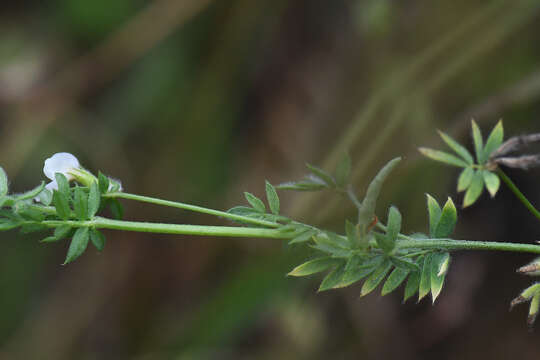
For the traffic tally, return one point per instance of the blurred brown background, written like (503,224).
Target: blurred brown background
(200,100)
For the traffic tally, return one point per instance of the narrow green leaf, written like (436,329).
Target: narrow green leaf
(8,224)
(103,183)
(45,197)
(255,202)
(437,278)
(62,231)
(327,244)
(494,140)
(309,184)
(475,190)
(273,199)
(358,267)
(352,234)
(323,175)
(3,182)
(303,237)
(434,214)
(478,143)
(447,221)
(63,184)
(375,279)
(244,211)
(492,182)
(367,211)
(94,198)
(413,282)
(97,238)
(80,203)
(457,147)
(465,179)
(442,156)
(396,277)
(78,244)
(425,279)
(343,170)
(333,278)
(117,209)
(32,193)
(338,240)
(29,213)
(444,264)
(392,230)
(404,263)
(314,266)
(61,203)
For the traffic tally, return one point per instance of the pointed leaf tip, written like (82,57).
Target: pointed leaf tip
(434,214)
(447,220)
(457,147)
(475,189)
(443,157)
(494,140)
(272,198)
(255,202)
(367,211)
(492,181)
(478,142)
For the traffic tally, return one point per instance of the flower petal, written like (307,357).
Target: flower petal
(60,163)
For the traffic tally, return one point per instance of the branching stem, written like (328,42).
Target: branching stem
(200,209)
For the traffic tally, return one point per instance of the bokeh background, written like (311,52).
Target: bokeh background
(200,100)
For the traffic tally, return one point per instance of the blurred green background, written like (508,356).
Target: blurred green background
(200,100)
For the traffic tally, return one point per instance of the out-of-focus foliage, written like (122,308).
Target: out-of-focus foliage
(200,101)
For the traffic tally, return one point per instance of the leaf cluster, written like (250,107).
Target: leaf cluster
(68,209)
(476,175)
(365,253)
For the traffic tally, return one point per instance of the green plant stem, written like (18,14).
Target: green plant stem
(405,242)
(453,245)
(181,229)
(179,205)
(518,193)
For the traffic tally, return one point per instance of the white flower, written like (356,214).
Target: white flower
(64,163)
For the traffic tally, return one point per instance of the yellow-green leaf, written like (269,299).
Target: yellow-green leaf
(475,190)
(457,147)
(492,182)
(494,140)
(465,179)
(442,156)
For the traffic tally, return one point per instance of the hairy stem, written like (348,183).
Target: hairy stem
(518,193)
(181,229)
(179,205)
(453,245)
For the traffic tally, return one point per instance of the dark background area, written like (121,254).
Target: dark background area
(200,100)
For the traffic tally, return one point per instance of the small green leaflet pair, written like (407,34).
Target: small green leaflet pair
(475,176)
(80,203)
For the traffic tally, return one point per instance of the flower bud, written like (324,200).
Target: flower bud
(526,295)
(531,269)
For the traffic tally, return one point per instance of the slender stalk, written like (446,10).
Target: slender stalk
(449,244)
(181,229)
(179,205)
(518,193)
